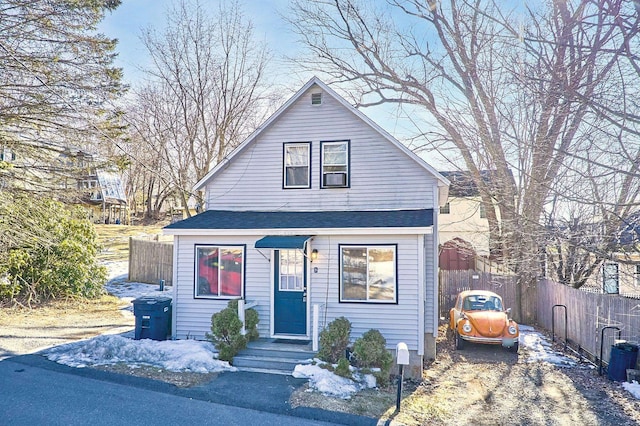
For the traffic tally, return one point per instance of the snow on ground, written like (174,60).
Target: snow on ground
(538,349)
(190,355)
(178,355)
(330,384)
(128,291)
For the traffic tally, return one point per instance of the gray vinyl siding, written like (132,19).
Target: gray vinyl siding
(431,298)
(397,322)
(193,316)
(381,175)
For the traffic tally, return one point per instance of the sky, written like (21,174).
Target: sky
(132,16)
(127,22)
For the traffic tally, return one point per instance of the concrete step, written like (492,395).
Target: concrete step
(268,355)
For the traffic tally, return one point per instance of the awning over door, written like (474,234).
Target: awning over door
(283,241)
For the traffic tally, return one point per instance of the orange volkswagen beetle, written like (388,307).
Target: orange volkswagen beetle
(479,317)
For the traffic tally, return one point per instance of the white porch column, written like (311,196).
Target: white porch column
(243,331)
(315,331)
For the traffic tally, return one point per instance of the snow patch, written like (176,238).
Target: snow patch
(173,355)
(538,349)
(633,388)
(330,384)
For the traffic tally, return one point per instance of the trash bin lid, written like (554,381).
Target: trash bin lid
(626,346)
(151,300)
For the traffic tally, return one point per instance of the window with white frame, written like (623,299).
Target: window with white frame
(291,270)
(297,161)
(637,276)
(610,279)
(334,158)
(219,272)
(368,274)
(446,209)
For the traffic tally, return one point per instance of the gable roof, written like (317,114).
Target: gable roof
(253,220)
(462,184)
(443,183)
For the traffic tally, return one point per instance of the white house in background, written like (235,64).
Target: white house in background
(319,214)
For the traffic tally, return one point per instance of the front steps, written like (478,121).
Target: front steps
(273,356)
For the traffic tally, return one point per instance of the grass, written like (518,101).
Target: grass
(114,239)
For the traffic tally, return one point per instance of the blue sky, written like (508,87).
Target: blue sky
(132,16)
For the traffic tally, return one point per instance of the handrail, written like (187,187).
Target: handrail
(553,325)
(602,343)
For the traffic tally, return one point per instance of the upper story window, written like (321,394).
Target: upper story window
(483,211)
(446,209)
(335,164)
(297,165)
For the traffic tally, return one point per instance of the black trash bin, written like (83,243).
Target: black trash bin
(153,317)
(623,356)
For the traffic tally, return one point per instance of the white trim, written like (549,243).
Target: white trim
(420,240)
(272,312)
(301,231)
(443,183)
(174,284)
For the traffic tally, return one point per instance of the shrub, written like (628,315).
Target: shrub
(343,368)
(370,352)
(251,320)
(48,252)
(225,333)
(334,340)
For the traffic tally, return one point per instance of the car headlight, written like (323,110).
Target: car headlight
(466,327)
(513,329)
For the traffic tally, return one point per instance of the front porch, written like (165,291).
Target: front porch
(274,356)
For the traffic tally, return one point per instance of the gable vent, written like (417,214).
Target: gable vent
(316,98)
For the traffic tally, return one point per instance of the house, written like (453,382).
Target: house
(319,214)
(463,227)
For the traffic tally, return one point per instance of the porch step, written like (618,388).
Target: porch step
(273,356)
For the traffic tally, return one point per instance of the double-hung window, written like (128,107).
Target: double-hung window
(297,165)
(368,274)
(219,272)
(335,164)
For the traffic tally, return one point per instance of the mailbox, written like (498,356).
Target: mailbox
(402,354)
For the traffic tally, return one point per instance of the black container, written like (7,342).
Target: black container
(153,317)
(623,356)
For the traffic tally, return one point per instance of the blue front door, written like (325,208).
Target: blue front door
(290,293)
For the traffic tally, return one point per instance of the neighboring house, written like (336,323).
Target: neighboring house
(318,214)
(463,228)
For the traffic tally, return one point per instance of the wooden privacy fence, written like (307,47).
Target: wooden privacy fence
(150,261)
(587,315)
(453,282)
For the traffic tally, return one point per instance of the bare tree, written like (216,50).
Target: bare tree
(206,90)
(510,89)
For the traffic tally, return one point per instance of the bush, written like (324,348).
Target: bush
(370,352)
(343,368)
(251,320)
(334,340)
(48,252)
(225,333)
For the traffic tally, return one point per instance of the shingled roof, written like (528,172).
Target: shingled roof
(224,219)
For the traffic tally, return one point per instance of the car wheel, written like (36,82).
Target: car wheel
(515,347)
(459,341)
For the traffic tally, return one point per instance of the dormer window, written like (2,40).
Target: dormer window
(316,98)
(296,163)
(335,164)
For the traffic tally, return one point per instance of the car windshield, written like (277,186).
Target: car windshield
(482,303)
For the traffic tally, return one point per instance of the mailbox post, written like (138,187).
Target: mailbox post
(402,359)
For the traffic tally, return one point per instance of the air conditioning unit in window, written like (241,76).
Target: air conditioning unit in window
(335,179)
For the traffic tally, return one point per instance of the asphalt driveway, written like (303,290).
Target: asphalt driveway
(38,391)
